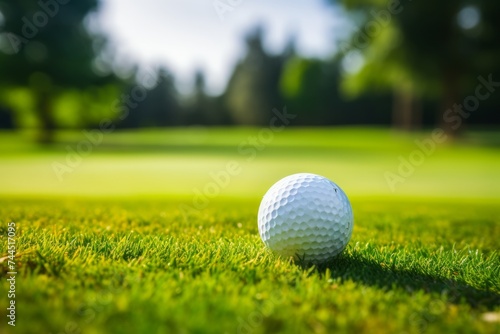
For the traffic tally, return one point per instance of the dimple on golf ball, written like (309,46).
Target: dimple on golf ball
(306,216)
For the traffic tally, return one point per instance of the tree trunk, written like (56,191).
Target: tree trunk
(452,66)
(450,97)
(44,109)
(406,113)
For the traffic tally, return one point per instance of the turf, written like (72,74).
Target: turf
(123,244)
(176,162)
(150,267)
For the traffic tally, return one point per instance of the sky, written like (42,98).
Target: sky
(185,35)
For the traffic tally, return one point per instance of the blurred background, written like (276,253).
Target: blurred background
(123,97)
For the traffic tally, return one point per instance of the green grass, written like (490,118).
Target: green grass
(116,247)
(145,267)
(175,162)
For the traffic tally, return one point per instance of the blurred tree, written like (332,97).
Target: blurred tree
(311,89)
(202,109)
(200,100)
(419,49)
(156,107)
(46,47)
(253,89)
(308,89)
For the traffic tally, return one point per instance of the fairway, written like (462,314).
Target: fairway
(131,242)
(178,162)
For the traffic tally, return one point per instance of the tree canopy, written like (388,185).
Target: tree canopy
(422,49)
(47,47)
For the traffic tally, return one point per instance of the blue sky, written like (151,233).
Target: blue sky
(189,34)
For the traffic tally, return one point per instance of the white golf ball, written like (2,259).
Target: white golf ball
(306,216)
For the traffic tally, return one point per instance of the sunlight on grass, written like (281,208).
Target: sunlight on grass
(180,162)
(95,264)
(123,245)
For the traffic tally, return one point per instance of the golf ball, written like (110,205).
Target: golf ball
(306,216)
